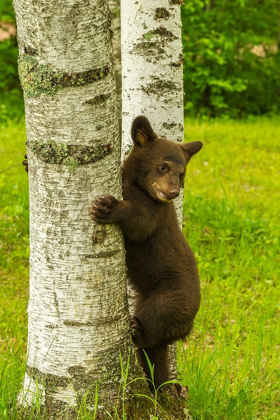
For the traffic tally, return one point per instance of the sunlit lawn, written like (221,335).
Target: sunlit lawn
(231,363)
(232,204)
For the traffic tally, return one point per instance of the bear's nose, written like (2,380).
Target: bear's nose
(174,193)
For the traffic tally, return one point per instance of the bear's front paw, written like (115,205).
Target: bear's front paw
(104,209)
(137,331)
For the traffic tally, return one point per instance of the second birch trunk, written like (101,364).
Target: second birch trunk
(152,77)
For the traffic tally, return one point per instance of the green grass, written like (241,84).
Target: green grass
(14,263)
(231,362)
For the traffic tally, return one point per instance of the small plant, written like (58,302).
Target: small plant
(154,399)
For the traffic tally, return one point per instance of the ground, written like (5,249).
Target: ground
(231,362)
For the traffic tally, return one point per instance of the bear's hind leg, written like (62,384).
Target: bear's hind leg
(162,318)
(158,357)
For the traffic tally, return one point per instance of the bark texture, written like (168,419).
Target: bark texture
(77,313)
(152,76)
(152,67)
(116,40)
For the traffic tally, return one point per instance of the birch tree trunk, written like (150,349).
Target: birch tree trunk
(77,313)
(116,40)
(152,76)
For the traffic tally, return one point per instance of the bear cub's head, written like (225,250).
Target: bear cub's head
(159,165)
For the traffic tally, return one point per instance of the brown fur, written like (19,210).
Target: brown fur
(161,265)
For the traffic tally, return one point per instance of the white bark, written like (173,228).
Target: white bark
(152,77)
(77,313)
(152,67)
(116,40)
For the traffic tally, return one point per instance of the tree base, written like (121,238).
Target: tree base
(170,405)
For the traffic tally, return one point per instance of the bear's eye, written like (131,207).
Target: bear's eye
(163,168)
(181,176)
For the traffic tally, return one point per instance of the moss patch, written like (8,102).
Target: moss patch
(47,379)
(65,154)
(172,403)
(39,79)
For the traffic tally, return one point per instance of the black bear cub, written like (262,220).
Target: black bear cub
(161,266)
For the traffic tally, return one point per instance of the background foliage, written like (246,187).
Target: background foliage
(11,102)
(231,59)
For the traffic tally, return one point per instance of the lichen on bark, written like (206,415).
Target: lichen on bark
(39,79)
(67,154)
(47,379)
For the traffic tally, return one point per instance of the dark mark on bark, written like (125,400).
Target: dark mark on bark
(111,33)
(170,126)
(98,235)
(29,50)
(159,87)
(93,323)
(56,302)
(161,13)
(38,78)
(178,2)
(161,32)
(179,62)
(153,42)
(105,254)
(148,49)
(97,99)
(70,323)
(65,154)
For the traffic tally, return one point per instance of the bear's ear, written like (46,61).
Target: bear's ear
(142,133)
(192,148)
